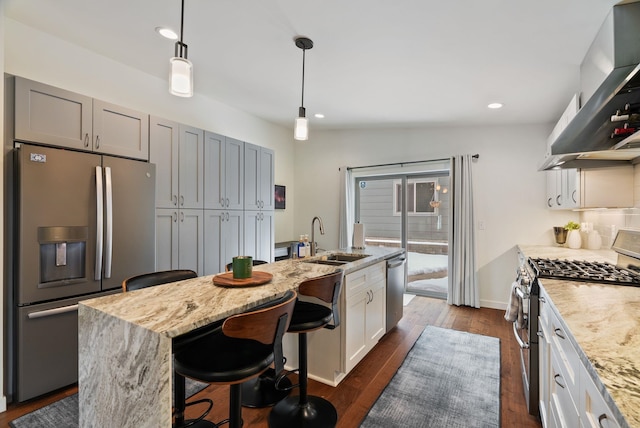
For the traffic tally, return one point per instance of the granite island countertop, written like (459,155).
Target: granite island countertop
(603,323)
(125,340)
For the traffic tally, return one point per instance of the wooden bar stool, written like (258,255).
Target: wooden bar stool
(242,350)
(179,343)
(307,410)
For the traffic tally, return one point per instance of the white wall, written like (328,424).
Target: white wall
(3,399)
(509,191)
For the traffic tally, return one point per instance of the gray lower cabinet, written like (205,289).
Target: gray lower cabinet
(259,235)
(180,239)
(53,116)
(223,239)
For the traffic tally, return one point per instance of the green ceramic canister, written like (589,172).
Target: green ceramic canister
(242,267)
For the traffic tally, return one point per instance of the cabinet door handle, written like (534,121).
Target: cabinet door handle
(559,333)
(182,200)
(97,141)
(541,334)
(175,217)
(549,202)
(555,378)
(601,418)
(558,200)
(573,196)
(227,217)
(227,202)
(181,216)
(222,202)
(86,139)
(542,299)
(175,200)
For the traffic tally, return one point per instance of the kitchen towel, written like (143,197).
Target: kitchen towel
(358,235)
(514,309)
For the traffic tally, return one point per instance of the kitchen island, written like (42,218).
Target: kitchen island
(602,324)
(125,373)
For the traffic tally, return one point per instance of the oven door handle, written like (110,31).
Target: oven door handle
(521,294)
(522,344)
(51,312)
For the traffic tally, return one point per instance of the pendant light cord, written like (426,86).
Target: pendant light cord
(303,61)
(181,44)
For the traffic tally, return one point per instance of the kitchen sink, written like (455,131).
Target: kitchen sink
(337,259)
(346,257)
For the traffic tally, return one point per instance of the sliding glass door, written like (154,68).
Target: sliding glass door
(410,211)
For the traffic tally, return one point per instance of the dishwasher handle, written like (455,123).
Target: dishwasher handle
(396,262)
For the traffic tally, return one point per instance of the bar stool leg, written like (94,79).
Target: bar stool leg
(235,406)
(303,410)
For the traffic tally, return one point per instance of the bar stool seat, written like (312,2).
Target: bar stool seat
(243,349)
(305,410)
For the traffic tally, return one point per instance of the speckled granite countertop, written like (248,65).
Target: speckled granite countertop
(603,322)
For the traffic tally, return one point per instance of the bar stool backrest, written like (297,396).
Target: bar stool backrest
(326,288)
(156,278)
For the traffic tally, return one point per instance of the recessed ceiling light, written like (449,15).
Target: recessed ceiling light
(319,115)
(495,105)
(167,33)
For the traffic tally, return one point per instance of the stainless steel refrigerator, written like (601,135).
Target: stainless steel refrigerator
(83,222)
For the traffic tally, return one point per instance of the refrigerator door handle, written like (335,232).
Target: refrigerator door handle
(108,247)
(51,312)
(99,224)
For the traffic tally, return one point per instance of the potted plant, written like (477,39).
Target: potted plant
(574,240)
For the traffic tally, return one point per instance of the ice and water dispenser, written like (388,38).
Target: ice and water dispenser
(63,252)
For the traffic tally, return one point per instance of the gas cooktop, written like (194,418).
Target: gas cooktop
(578,270)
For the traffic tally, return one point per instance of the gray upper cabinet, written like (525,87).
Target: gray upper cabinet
(177,151)
(163,136)
(49,115)
(120,131)
(223,172)
(259,182)
(191,167)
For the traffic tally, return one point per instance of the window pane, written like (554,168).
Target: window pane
(424,195)
(411,206)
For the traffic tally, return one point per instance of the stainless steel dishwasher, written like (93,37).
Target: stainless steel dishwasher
(396,280)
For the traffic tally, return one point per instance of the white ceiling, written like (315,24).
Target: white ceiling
(374,63)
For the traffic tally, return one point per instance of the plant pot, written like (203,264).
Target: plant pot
(574,240)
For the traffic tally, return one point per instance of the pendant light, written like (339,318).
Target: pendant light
(181,78)
(301,130)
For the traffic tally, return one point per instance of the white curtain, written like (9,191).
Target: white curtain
(347,214)
(463,281)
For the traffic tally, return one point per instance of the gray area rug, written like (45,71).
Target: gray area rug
(449,379)
(64,413)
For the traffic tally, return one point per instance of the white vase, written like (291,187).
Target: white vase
(574,240)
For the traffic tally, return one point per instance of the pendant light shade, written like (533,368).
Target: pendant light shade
(181,77)
(301,130)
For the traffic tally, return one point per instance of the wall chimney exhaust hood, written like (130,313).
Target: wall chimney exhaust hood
(610,79)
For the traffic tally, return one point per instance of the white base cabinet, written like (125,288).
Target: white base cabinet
(568,395)
(334,353)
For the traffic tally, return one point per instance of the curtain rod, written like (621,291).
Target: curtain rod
(476,156)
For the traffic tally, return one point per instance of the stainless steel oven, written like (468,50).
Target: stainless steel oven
(525,328)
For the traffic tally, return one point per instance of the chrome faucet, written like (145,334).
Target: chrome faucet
(313,236)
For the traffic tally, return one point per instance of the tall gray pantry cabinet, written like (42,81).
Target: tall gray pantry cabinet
(205,232)
(177,151)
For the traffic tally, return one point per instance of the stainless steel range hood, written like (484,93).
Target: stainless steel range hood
(612,67)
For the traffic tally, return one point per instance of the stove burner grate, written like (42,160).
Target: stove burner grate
(578,270)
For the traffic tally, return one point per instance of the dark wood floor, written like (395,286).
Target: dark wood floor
(358,391)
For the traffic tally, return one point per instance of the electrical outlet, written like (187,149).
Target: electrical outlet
(481,225)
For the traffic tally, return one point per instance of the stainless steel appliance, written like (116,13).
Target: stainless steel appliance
(396,282)
(626,272)
(83,223)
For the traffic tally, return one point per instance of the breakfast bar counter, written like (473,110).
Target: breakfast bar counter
(125,364)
